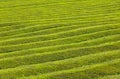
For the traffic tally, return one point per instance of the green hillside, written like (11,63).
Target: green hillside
(59,39)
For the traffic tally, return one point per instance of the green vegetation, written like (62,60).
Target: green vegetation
(111,77)
(59,39)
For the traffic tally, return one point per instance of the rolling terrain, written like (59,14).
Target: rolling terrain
(59,39)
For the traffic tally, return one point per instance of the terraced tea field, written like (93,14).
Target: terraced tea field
(59,39)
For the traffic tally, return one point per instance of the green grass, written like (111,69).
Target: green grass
(59,39)
(111,77)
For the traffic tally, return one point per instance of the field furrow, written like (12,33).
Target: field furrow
(59,39)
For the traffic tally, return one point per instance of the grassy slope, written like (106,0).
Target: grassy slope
(59,39)
(111,77)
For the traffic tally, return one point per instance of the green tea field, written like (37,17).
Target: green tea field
(59,39)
